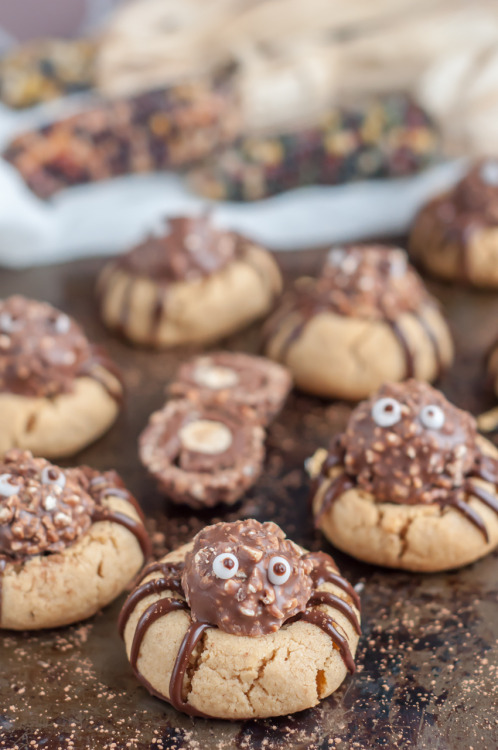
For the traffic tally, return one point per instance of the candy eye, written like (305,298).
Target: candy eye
(51,475)
(8,324)
(432,417)
(386,412)
(62,324)
(6,487)
(279,570)
(225,565)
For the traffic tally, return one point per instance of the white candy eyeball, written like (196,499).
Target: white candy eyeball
(6,488)
(279,570)
(432,417)
(63,324)
(386,412)
(53,476)
(8,324)
(225,565)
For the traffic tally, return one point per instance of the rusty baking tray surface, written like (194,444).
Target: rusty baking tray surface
(428,659)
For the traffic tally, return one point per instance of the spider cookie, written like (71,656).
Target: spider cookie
(409,484)
(241,623)
(202,454)
(58,392)
(193,285)
(70,541)
(251,382)
(455,236)
(366,319)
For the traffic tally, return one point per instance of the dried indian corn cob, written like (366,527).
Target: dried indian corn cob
(46,69)
(163,129)
(388,137)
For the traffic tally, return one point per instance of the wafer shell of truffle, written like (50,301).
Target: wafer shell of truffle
(250,382)
(202,454)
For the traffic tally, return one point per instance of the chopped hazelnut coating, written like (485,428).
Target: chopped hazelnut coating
(42,507)
(246,577)
(408,444)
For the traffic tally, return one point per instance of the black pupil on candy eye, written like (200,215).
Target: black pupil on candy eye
(388,407)
(279,569)
(228,563)
(52,474)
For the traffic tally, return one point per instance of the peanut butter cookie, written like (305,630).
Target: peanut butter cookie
(455,236)
(58,392)
(241,623)
(366,319)
(193,284)
(409,484)
(70,541)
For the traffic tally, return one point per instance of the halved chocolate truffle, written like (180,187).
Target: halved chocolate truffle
(202,454)
(250,382)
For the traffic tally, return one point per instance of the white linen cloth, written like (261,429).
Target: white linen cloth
(106,218)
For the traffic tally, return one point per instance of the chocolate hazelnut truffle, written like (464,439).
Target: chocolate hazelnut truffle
(222,626)
(70,541)
(193,284)
(253,383)
(455,235)
(58,392)
(409,484)
(202,454)
(366,319)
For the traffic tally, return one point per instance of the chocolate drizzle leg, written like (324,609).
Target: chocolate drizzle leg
(338,486)
(192,637)
(125,308)
(405,347)
(169,580)
(154,612)
(327,624)
(435,345)
(331,600)
(136,527)
(156,586)
(323,572)
(469,513)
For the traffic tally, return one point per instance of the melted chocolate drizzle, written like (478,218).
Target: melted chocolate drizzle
(328,625)
(153,612)
(169,581)
(331,600)
(136,527)
(336,488)
(190,640)
(438,357)
(405,347)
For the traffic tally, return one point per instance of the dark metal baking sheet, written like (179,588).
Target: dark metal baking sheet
(428,659)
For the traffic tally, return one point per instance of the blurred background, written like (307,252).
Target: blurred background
(298,122)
